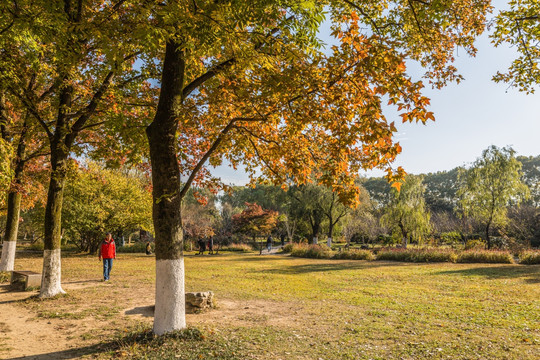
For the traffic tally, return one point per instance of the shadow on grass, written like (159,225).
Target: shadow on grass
(146,311)
(120,346)
(334,265)
(74,353)
(530,274)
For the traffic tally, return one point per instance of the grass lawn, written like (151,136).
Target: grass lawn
(279,307)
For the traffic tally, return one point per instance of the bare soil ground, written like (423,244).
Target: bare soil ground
(69,328)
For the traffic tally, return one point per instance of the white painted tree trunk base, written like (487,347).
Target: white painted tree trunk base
(51,275)
(8,256)
(315,240)
(329,242)
(170,312)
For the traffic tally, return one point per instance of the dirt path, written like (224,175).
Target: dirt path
(25,335)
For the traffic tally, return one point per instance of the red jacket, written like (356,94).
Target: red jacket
(108,250)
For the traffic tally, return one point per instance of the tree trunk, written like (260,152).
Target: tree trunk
(13,211)
(315,227)
(404,236)
(12,226)
(170,302)
(488,239)
(60,148)
(330,233)
(7,260)
(52,272)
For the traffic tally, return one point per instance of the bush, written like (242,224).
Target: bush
(485,256)
(529,257)
(37,246)
(475,244)
(237,247)
(355,254)
(311,251)
(417,255)
(287,248)
(138,247)
(450,238)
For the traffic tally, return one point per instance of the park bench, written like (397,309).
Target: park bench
(25,279)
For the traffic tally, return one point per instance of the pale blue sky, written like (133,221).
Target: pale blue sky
(469,117)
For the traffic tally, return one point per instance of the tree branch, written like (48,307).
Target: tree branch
(32,111)
(221,67)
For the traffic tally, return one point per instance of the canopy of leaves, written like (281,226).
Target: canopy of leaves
(519,27)
(407,214)
(491,184)
(259,91)
(254,221)
(99,201)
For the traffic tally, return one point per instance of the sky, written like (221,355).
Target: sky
(469,117)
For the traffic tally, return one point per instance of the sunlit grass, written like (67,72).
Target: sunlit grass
(332,309)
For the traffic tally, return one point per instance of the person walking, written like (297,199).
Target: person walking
(269,243)
(202,246)
(211,245)
(282,240)
(107,252)
(148,248)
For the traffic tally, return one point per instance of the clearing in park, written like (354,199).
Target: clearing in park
(279,307)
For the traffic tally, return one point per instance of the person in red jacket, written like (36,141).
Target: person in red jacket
(107,252)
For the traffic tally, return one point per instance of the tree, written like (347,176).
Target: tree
(99,201)
(18,132)
(407,212)
(307,204)
(252,86)
(519,27)
(491,184)
(199,214)
(254,220)
(79,59)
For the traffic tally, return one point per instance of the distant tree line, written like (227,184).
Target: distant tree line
(496,200)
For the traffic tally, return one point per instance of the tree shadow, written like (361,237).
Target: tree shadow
(146,311)
(335,265)
(75,353)
(115,348)
(530,273)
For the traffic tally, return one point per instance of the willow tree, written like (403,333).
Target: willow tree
(249,82)
(406,213)
(491,184)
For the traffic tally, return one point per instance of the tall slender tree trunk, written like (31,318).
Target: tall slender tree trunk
(7,260)
(60,147)
(316,227)
(330,233)
(488,239)
(52,271)
(170,299)
(12,226)
(404,236)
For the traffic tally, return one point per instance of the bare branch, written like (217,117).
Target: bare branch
(205,157)
(92,125)
(29,106)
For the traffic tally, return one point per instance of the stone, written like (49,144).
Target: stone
(199,301)
(25,279)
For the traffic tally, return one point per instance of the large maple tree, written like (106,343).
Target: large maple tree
(249,82)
